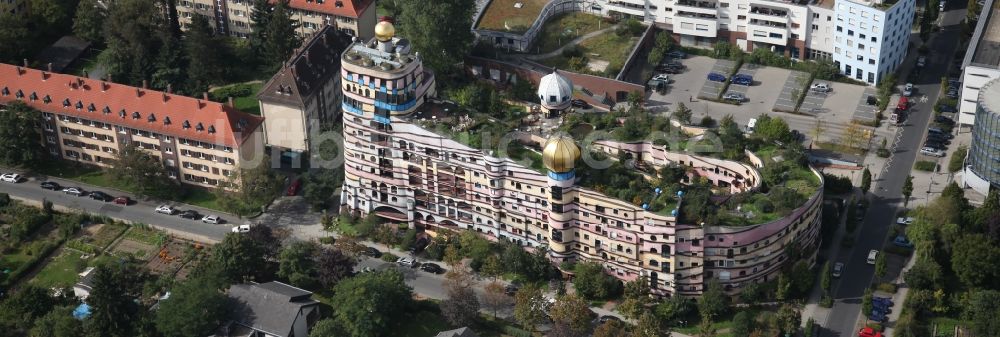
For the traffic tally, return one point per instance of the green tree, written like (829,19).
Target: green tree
(279,37)
(143,173)
(260,16)
(194,307)
(866,301)
(16,37)
(982,310)
(58,323)
(256,187)
(89,21)
(529,307)
(611,328)
(636,298)
(333,266)
(440,33)
(591,282)
(713,301)
(925,274)
(574,313)
(297,264)
(380,297)
(51,17)
(18,311)
(205,53)
(682,114)
(866,181)
(743,324)
(19,135)
(320,185)
(650,326)
(495,298)
(492,267)
(802,278)
(461,308)
(114,298)
(907,190)
(972,260)
(789,319)
(131,53)
(238,258)
(825,277)
(772,129)
(169,64)
(327,328)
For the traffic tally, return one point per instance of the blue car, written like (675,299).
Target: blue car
(885,300)
(742,81)
(716,77)
(901,241)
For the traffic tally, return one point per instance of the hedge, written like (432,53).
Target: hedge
(15,276)
(924,165)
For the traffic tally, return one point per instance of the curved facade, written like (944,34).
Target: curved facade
(403,172)
(984,152)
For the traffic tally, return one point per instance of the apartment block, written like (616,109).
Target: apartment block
(89,121)
(982,62)
(233,17)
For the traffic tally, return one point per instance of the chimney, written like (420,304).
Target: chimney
(104,86)
(170,88)
(49,66)
(204,95)
(26,63)
(20,71)
(138,93)
(165,97)
(85,74)
(109,78)
(231,102)
(145,84)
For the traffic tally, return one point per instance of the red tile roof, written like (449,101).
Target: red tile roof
(348,8)
(158,111)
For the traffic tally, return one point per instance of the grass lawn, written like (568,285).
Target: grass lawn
(106,235)
(13,260)
(244,96)
(608,47)
(202,198)
(146,235)
(62,271)
(501,15)
(249,104)
(563,28)
(946,326)
(719,325)
(421,323)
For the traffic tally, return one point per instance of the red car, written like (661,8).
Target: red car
(869,332)
(123,201)
(293,189)
(903,104)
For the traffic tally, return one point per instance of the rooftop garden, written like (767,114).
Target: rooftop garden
(601,55)
(514,16)
(563,28)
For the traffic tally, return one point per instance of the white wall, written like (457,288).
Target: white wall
(820,38)
(858,24)
(973,78)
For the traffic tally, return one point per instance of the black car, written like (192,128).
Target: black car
(579,103)
(511,289)
(372,252)
(935,145)
(668,70)
(190,214)
(605,318)
(944,120)
(50,185)
(946,109)
(98,195)
(431,268)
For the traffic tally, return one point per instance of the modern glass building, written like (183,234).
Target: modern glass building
(983,163)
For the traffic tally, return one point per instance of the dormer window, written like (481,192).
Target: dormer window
(186,125)
(19,94)
(199,127)
(33,97)
(47,99)
(151,118)
(166,120)
(136,115)
(91,107)
(67,103)
(79,105)
(339,4)
(122,113)
(5,91)
(106,110)
(211,129)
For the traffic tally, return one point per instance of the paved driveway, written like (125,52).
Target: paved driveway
(792,86)
(685,85)
(863,112)
(712,89)
(812,104)
(766,87)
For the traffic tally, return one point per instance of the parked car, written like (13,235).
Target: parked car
(904,221)
(903,104)
(934,145)
(734,96)
(294,187)
(677,54)
(605,318)
(98,195)
(868,332)
(579,103)
(937,138)
(212,219)
(512,288)
(11,177)
(432,268)
(908,90)
(901,241)
(716,77)
(940,132)
(820,87)
(944,108)
(944,120)
(241,229)
(123,200)
(838,269)
(50,185)
(742,81)
(166,209)
(871,100)
(407,262)
(191,214)
(372,252)
(661,78)
(669,69)
(921,61)
(74,191)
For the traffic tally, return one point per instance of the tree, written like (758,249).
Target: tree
(440,33)
(743,324)
(972,261)
(574,313)
(319,186)
(23,307)
(825,277)
(58,323)
(853,136)
(350,245)
(89,21)
(907,190)
(772,129)
(169,63)
(260,16)
(682,114)
(194,307)
(205,53)
(676,308)
(650,326)
(925,274)
(15,36)
(380,297)
(296,264)
(143,173)
(982,311)
(279,36)
(461,307)
(452,256)
(19,135)
(256,187)
(265,238)
(866,301)
(789,319)
(327,328)
(802,278)
(636,298)
(713,301)
(706,329)
(238,258)
(492,267)
(114,298)
(880,266)
(495,298)
(611,328)
(529,307)
(591,282)
(866,181)
(130,53)
(333,266)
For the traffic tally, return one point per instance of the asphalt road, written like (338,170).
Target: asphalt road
(140,211)
(886,195)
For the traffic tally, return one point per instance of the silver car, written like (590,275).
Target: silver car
(734,96)
(838,269)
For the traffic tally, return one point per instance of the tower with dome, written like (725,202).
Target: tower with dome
(555,92)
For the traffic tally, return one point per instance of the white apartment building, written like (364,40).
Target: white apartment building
(867,40)
(981,64)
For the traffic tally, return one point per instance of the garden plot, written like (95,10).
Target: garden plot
(173,257)
(140,243)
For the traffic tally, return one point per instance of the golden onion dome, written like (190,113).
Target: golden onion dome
(560,154)
(384,31)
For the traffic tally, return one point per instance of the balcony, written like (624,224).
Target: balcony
(702,7)
(696,24)
(768,32)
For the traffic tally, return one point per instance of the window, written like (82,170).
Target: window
(850,32)
(871,61)
(840,29)
(815,27)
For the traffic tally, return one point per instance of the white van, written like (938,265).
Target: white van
(872,255)
(751,124)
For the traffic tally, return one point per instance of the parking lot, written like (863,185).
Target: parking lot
(711,89)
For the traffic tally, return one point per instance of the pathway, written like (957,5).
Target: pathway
(573,42)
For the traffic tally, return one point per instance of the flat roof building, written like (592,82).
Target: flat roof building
(982,62)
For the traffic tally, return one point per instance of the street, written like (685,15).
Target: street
(886,195)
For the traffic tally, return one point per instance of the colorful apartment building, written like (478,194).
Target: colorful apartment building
(89,121)
(400,171)
(233,17)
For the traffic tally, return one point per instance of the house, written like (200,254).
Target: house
(460,332)
(83,287)
(272,309)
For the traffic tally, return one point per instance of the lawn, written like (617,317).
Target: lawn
(609,48)
(244,96)
(62,271)
(107,234)
(501,15)
(10,262)
(421,323)
(146,235)
(946,326)
(563,28)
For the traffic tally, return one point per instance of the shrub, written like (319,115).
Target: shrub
(837,184)
(389,257)
(764,205)
(887,287)
(238,90)
(630,27)
(924,165)
(4,199)
(329,240)
(572,51)
(707,121)
(957,159)
(883,153)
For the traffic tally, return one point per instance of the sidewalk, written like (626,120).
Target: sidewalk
(572,42)
(812,308)
(900,296)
